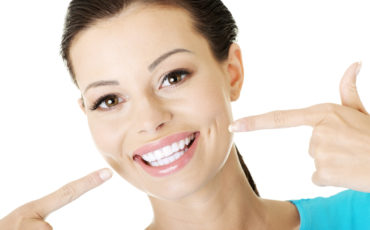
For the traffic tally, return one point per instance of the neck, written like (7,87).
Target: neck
(226,202)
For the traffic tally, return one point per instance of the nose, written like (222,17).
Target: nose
(151,115)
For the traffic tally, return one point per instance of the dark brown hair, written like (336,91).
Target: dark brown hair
(211,18)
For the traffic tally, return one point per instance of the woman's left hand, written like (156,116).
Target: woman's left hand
(340,142)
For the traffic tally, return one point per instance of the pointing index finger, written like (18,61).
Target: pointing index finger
(310,116)
(69,192)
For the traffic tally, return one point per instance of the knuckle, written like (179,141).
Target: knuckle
(17,216)
(332,113)
(321,158)
(308,118)
(351,88)
(323,161)
(92,180)
(331,108)
(20,211)
(319,107)
(316,179)
(312,150)
(250,124)
(68,192)
(15,220)
(322,176)
(325,107)
(279,118)
(24,210)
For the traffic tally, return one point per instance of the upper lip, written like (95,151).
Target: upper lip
(161,143)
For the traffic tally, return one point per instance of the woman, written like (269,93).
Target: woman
(145,71)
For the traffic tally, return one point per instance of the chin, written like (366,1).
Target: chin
(191,182)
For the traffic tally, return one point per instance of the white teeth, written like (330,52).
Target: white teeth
(182,144)
(168,153)
(149,157)
(167,160)
(146,157)
(158,154)
(175,147)
(177,155)
(167,150)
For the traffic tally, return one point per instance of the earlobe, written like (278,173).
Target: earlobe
(82,105)
(236,71)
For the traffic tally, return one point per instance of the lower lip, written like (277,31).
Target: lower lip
(175,166)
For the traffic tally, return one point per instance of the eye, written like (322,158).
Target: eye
(174,77)
(107,102)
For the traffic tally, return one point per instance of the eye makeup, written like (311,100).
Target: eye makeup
(110,100)
(175,74)
(169,80)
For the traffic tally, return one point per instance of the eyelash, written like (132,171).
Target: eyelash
(101,99)
(180,72)
(96,105)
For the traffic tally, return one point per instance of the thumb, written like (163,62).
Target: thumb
(348,89)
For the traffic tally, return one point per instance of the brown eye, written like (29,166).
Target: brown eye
(174,77)
(111,101)
(107,102)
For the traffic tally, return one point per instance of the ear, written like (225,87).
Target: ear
(235,70)
(82,105)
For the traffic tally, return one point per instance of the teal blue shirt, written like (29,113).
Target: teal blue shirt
(347,210)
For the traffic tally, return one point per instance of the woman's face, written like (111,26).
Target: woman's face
(147,77)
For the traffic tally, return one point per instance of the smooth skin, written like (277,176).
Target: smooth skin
(212,192)
(340,142)
(31,216)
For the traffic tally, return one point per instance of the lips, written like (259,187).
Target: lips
(151,147)
(168,164)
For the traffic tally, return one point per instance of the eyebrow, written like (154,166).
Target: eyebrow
(101,83)
(152,66)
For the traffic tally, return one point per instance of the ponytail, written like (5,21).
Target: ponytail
(247,173)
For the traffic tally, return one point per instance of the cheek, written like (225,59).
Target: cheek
(108,136)
(213,115)
(211,103)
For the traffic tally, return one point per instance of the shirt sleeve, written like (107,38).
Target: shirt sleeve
(347,210)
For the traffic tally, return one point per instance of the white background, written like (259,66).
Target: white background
(295,53)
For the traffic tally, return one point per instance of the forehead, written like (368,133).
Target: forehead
(133,38)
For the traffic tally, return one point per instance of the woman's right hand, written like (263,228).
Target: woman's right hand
(31,216)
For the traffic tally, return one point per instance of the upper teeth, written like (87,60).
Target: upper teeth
(167,150)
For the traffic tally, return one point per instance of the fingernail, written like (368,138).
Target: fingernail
(359,65)
(105,174)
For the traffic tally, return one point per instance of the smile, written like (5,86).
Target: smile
(167,155)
